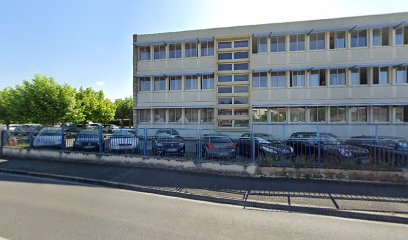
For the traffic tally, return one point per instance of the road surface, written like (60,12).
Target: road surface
(34,208)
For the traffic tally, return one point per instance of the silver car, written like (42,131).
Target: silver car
(48,137)
(124,140)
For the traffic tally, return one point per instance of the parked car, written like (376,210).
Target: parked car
(168,142)
(94,125)
(72,127)
(87,139)
(48,137)
(387,149)
(218,146)
(109,128)
(265,146)
(124,140)
(307,144)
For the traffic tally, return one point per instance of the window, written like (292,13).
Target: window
(278,79)
(381,114)
(278,115)
(144,53)
(191,115)
(175,115)
(159,115)
(222,45)
(401,114)
(401,75)
(260,114)
(224,89)
(337,114)
(144,115)
(337,40)
(297,114)
(224,100)
(159,52)
(401,35)
(278,43)
(240,89)
(381,36)
(241,44)
(225,123)
(207,49)
(241,112)
(317,114)
(259,80)
(191,82)
(241,78)
(207,81)
(259,44)
(240,100)
(225,112)
(159,84)
(297,78)
(224,78)
(224,67)
(240,55)
(359,38)
(380,75)
(175,83)
(338,77)
(224,56)
(318,77)
(358,114)
(175,50)
(297,42)
(241,66)
(190,49)
(207,115)
(144,84)
(241,123)
(317,41)
(359,76)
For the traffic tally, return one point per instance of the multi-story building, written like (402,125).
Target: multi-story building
(350,71)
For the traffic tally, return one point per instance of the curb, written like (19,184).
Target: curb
(243,203)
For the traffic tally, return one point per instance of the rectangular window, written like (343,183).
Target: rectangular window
(225,67)
(259,80)
(241,112)
(207,115)
(191,82)
(191,115)
(207,49)
(381,36)
(225,112)
(241,100)
(241,89)
(144,115)
(224,56)
(224,89)
(317,41)
(144,84)
(207,81)
(317,114)
(381,114)
(337,77)
(159,84)
(260,114)
(358,114)
(241,44)
(318,78)
(190,49)
(401,75)
(358,38)
(241,66)
(241,123)
(241,78)
(175,50)
(338,114)
(278,115)
(159,52)
(401,114)
(225,123)
(337,40)
(224,78)
(297,114)
(224,100)
(401,35)
(240,55)
(278,79)
(223,45)
(297,42)
(259,44)
(159,115)
(144,53)
(359,76)
(175,83)
(278,43)
(175,115)
(297,78)
(381,75)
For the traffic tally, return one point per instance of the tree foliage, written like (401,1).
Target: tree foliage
(95,106)
(124,109)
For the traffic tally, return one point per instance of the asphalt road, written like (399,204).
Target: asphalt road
(34,208)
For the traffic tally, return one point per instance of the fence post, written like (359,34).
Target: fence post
(200,154)
(144,141)
(318,144)
(30,138)
(252,146)
(62,138)
(100,134)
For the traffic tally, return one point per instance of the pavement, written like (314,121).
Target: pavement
(40,208)
(372,201)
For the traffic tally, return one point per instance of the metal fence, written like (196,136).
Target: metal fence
(311,146)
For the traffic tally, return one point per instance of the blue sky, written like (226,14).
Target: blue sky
(89,43)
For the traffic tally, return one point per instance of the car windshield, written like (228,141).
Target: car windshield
(122,132)
(88,132)
(329,139)
(220,140)
(50,132)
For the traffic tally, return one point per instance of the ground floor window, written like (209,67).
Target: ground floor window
(260,115)
(381,114)
(159,115)
(175,115)
(297,114)
(317,114)
(278,115)
(338,114)
(144,115)
(401,114)
(191,115)
(358,114)
(207,115)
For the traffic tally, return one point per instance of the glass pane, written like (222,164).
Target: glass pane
(377,37)
(240,100)
(224,56)
(297,114)
(241,44)
(241,78)
(240,55)
(224,89)
(207,82)
(340,40)
(241,66)
(225,78)
(240,89)
(224,67)
(222,45)
(278,114)
(260,115)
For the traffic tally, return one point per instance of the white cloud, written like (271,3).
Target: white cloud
(100,83)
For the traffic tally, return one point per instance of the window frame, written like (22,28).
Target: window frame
(141,53)
(190,49)
(314,44)
(299,47)
(276,77)
(320,73)
(358,37)
(175,51)
(336,118)
(176,78)
(296,73)
(156,79)
(176,112)
(145,79)
(207,77)
(147,114)
(192,79)
(161,53)
(278,43)
(208,48)
(257,80)
(336,81)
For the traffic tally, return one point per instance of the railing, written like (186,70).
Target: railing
(301,148)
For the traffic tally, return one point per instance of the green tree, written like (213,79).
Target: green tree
(124,109)
(95,107)
(6,107)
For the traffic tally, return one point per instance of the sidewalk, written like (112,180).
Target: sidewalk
(282,194)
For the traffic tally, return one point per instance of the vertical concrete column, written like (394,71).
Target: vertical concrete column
(135,82)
